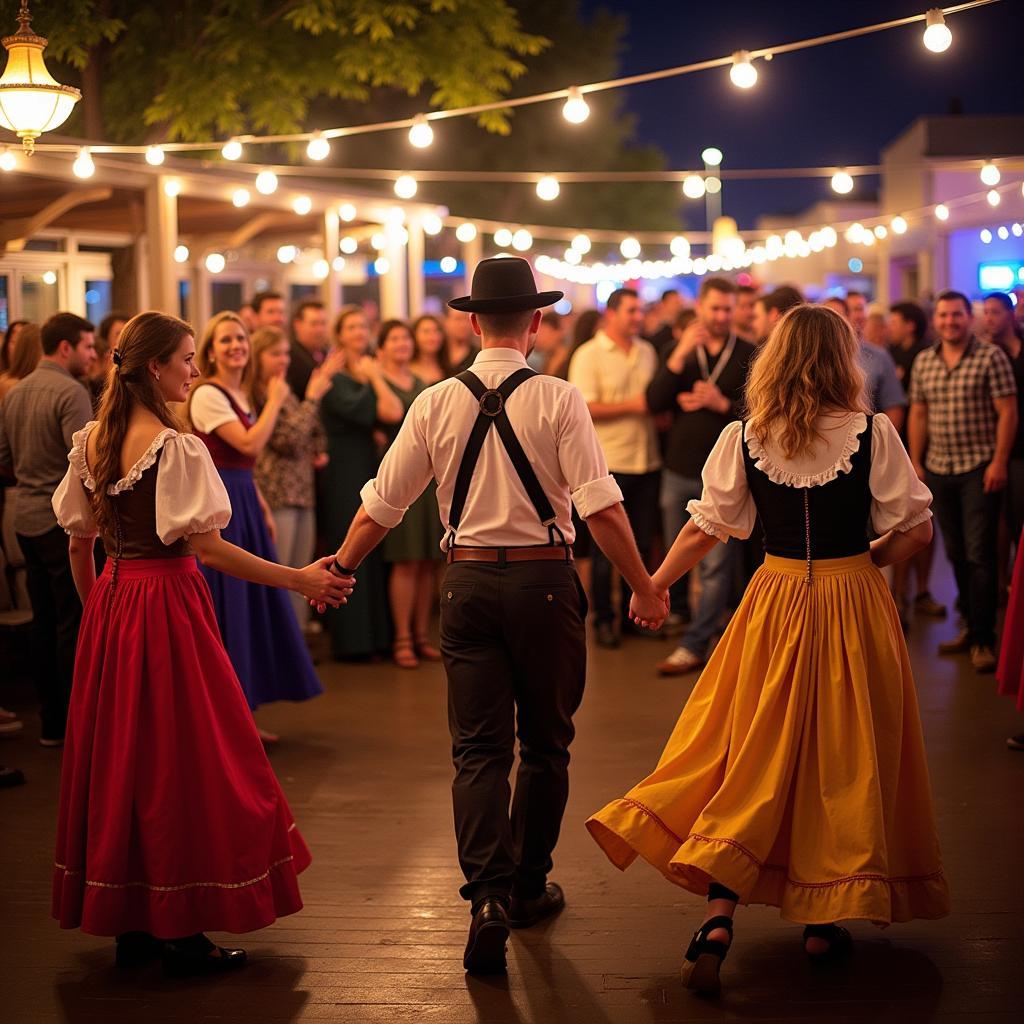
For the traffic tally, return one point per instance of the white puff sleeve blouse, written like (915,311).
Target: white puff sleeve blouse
(190,495)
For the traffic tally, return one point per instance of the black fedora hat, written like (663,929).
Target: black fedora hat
(503,284)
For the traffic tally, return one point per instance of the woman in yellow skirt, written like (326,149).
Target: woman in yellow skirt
(796,774)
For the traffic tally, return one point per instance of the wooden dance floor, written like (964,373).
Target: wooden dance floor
(366,768)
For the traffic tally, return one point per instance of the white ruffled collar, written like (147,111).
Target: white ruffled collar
(833,455)
(77,459)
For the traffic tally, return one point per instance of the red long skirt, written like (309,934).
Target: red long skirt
(171,820)
(1010,673)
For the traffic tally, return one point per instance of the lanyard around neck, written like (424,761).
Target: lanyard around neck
(723,360)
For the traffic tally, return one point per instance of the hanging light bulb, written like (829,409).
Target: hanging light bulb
(898,225)
(712,156)
(181,254)
(405,187)
(321,268)
(421,134)
(829,236)
(630,248)
(693,186)
(83,165)
(378,240)
(231,150)
(381,265)
(302,205)
(548,188)
(1003,232)
(348,245)
(338,264)
(576,109)
(266,183)
(942,212)
(155,156)
(986,235)
(32,101)
(572,256)
(990,174)
(581,243)
(994,198)
(503,238)
(842,182)
(319,148)
(522,240)
(742,72)
(680,247)
(8,161)
(432,224)
(172,187)
(712,185)
(937,36)
(240,197)
(881,231)
(287,253)
(215,262)
(854,233)
(347,212)
(465,232)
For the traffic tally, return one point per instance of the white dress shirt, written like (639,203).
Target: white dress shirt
(552,423)
(605,373)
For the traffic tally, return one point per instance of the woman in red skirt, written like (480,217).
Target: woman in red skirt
(171,821)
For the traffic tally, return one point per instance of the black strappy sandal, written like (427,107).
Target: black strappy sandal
(840,942)
(704,958)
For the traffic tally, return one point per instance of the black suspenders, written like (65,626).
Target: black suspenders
(492,411)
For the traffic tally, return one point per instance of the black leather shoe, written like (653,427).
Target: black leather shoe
(197,955)
(488,933)
(134,949)
(526,913)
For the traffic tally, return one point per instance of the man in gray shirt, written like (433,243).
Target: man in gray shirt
(37,419)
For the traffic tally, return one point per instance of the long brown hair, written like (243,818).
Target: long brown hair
(262,339)
(809,365)
(24,353)
(146,337)
(205,362)
(442,353)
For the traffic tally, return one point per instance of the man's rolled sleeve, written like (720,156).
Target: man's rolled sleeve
(378,509)
(583,463)
(596,496)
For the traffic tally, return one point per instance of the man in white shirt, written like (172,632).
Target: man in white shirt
(512,609)
(612,371)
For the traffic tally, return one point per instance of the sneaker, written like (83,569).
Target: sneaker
(679,663)
(1016,742)
(606,635)
(983,658)
(925,604)
(961,644)
(10,727)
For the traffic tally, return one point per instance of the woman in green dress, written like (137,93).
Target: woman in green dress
(413,548)
(359,399)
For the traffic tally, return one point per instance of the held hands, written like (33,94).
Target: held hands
(650,608)
(321,587)
(995,477)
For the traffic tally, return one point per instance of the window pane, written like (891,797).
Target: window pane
(97,300)
(226,295)
(39,296)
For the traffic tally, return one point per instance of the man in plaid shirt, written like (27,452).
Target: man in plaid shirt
(963,411)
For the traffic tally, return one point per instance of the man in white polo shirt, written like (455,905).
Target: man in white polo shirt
(612,371)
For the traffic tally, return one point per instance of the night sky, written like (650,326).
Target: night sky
(835,104)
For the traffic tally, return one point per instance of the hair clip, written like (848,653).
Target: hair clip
(117,358)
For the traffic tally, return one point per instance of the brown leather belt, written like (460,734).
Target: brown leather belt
(540,553)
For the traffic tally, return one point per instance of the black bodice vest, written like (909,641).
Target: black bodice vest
(832,519)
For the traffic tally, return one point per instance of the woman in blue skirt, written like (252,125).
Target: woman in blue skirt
(257,623)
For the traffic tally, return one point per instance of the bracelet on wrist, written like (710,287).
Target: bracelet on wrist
(342,570)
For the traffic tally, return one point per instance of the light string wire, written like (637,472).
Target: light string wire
(522,101)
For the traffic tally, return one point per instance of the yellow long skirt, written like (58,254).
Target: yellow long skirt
(796,773)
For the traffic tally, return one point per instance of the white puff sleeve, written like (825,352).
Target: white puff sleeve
(900,501)
(190,495)
(71,502)
(726,508)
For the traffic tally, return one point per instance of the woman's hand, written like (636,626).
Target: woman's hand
(649,609)
(321,460)
(277,390)
(321,587)
(322,377)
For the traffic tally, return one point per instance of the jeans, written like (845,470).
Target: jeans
(715,569)
(56,616)
(969,519)
(640,500)
(673,519)
(296,537)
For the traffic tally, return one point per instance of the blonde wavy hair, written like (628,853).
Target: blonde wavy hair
(809,365)
(204,354)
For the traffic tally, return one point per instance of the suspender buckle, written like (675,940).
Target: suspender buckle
(492,402)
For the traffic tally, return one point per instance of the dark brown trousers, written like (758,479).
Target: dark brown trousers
(514,646)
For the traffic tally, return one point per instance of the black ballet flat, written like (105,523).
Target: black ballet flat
(194,956)
(135,949)
(704,958)
(840,942)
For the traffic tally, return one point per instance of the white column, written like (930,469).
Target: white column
(393,301)
(416,254)
(162,237)
(472,254)
(329,290)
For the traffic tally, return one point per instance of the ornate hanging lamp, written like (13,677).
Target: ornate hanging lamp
(32,101)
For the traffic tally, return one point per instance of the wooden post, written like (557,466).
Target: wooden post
(162,237)
(330,294)
(417,251)
(472,254)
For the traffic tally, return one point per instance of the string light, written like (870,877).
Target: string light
(942,211)
(338,264)
(937,36)
(986,235)
(576,109)
(712,156)
(287,254)
(898,225)
(154,156)
(449,264)
(842,183)
(572,256)
(680,247)
(548,188)
(49,277)
(1018,230)
(581,243)
(83,166)
(1003,232)
(302,205)
(8,161)
(266,183)
(742,72)
(405,187)
(347,212)
(465,232)
(172,187)
(522,240)
(421,135)
(712,184)
(503,238)
(432,224)
(630,248)
(348,245)
(319,148)
(881,231)
(693,186)
(240,197)
(215,262)
(379,240)
(994,198)
(321,268)
(989,174)
(381,265)
(181,254)
(231,150)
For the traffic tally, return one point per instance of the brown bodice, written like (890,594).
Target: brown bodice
(136,513)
